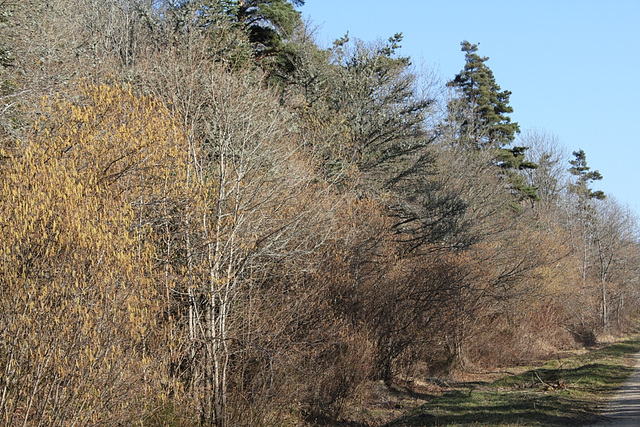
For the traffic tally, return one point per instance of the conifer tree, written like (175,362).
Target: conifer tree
(511,161)
(248,28)
(479,113)
(484,123)
(585,212)
(268,22)
(584,176)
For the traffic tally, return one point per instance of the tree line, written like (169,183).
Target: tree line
(206,218)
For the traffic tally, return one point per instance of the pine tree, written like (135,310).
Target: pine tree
(480,115)
(584,177)
(586,215)
(483,120)
(511,161)
(268,23)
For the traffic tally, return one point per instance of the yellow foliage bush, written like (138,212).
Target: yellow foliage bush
(79,301)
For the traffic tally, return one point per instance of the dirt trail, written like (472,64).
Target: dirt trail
(624,409)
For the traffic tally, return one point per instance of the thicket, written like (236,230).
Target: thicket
(208,219)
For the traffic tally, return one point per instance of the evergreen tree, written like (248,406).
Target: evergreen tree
(511,161)
(268,23)
(242,31)
(584,177)
(483,120)
(366,97)
(586,215)
(480,115)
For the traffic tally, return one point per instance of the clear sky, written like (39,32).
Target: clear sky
(573,66)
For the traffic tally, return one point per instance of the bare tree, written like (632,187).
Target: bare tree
(614,234)
(550,177)
(251,194)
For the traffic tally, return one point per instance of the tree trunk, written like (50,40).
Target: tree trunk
(604,306)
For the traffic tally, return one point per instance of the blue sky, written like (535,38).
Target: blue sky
(573,66)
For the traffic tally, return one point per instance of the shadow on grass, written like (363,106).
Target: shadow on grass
(564,392)
(502,409)
(594,377)
(623,348)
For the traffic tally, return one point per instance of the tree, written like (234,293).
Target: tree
(248,197)
(242,31)
(253,199)
(512,162)
(479,115)
(584,177)
(613,236)
(383,110)
(373,91)
(268,23)
(483,122)
(550,177)
(78,290)
(585,214)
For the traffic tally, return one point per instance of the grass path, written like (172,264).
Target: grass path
(624,409)
(571,391)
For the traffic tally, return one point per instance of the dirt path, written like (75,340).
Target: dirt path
(624,409)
